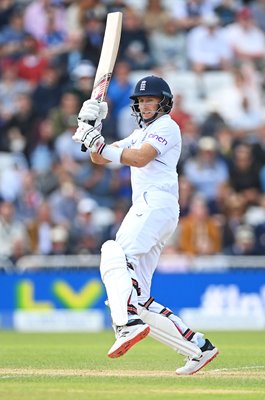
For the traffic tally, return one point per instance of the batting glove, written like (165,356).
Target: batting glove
(92,110)
(90,137)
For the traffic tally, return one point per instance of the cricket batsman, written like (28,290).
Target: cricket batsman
(128,262)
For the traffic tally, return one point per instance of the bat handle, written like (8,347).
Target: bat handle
(83,147)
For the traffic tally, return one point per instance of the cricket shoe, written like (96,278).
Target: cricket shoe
(193,365)
(127,336)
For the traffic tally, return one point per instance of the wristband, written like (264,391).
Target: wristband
(112,153)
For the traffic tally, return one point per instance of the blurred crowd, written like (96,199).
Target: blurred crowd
(53,200)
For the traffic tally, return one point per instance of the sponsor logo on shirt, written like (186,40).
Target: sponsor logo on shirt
(160,139)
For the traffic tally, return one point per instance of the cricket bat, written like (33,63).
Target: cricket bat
(107,59)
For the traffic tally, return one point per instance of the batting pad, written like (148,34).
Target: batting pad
(165,331)
(117,280)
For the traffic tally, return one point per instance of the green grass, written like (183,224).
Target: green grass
(75,366)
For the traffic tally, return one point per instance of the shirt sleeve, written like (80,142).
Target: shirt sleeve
(164,137)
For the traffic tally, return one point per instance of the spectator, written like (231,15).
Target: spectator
(207,47)
(100,182)
(85,234)
(73,17)
(13,235)
(244,173)
(69,153)
(63,202)
(155,16)
(82,76)
(48,180)
(32,64)
(118,95)
(179,113)
(50,89)
(59,241)
(77,10)
(190,138)
(244,244)
(125,123)
(14,168)
(212,122)
(246,39)
(134,47)
(22,127)
(29,199)
(224,137)
(241,98)
(74,56)
(226,12)
(13,34)
(68,107)
(199,232)
(168,46)
(123,186)
(42,155)
(93,36)
(6,10)
(10,87)
(189,13)
(233,216)
(40,229)
(206,171)
(55,40)
(259,148)
(186,192)
(247,120)
(36,17)
(258,11)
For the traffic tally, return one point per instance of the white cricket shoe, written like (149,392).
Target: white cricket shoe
(127,336)
(193,365)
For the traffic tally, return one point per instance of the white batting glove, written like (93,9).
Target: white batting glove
(92,110)
(82,132)
(89,136)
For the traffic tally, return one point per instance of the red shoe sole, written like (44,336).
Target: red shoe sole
(130,343)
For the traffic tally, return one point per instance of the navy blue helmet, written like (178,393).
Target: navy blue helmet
(152,86)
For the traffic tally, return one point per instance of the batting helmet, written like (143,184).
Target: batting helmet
(152,86)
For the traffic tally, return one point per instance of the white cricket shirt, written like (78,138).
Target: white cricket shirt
(160,174)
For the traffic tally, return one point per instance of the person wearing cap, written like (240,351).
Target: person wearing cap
(82,77)
(128,263)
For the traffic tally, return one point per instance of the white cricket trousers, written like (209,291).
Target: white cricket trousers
(149,223)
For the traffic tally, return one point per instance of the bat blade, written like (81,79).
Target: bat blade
(109,51)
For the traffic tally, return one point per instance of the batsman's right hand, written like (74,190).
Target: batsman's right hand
(92,110)
(89,136)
